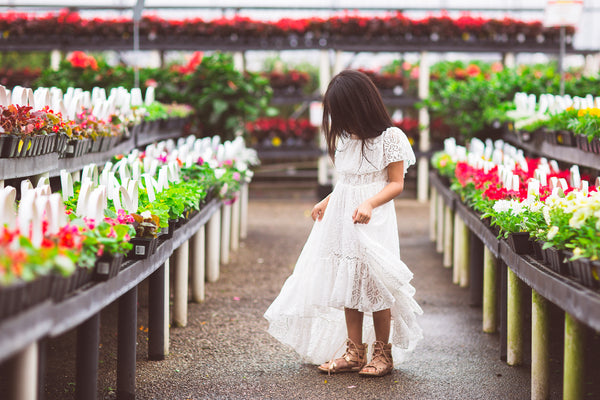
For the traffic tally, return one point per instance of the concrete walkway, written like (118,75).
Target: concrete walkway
(225,353)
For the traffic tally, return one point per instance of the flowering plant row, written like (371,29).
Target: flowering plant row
(558,209)
(562,120)
(69,25)
(473,98)
(99,218)
(276,132)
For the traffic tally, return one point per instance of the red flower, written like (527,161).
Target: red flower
(79,59)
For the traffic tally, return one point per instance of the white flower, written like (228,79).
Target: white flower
(501,206)
(219,172)
(578,219)
(552,232)
(146,214)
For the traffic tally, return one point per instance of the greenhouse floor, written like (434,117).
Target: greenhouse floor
(225,352)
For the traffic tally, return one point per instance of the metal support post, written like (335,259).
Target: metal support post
(24,374)
(180,295)
(88,341)
(213,238)
(244,212)
(475,269)
(424,143)
(489,292)
(235,224)
(574,360)
(198,265)
(439,220)
(456,250)
(514,320)
(448,230)
(225,232)
(126,345)
(540,348)
(432,213)
(156,315)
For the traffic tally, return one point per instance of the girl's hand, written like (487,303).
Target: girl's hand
(362,214)
(319,209)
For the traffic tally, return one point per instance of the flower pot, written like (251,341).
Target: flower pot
(95,145)
(107,267)
(565,138)
(142,248)
(582,272)
(12,298)
(582,142)
(536,246)
(519,242)
(8,146)
(37,291)
(595,145)
(60,144)
(555,260)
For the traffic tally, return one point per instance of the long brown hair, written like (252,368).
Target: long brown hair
(352,105)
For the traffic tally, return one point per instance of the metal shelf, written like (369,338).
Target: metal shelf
(52,319)
(355,44)
(573,298)
(571,155)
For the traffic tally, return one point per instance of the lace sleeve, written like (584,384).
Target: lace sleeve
(397,148)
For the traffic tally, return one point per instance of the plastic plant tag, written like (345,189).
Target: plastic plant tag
(57,210)
(554,165)
(149,188)
(575,177)
(126,199)
(163,181)
(533,188)
(136,97)
(8,213)
(149,98)
(585,188)
(515,183)
(66,183)
(95,209)
(124,171)
(553,182)
(136,169)
(133,188)
(26,186)
(26,211)
(3,97)
(563,184)
(83,199)
(173,171)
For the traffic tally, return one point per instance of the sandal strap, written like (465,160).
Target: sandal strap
(351,356)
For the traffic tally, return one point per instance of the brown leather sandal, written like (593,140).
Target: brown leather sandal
(382,363)
(353,359)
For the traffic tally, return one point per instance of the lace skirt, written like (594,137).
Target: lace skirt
(349,265)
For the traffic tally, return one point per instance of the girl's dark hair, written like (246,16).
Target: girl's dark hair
(352,105)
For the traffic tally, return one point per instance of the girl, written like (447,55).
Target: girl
(349,279)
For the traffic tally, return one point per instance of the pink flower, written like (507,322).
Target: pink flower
(200,161)
(100,250)
(237,176)
(112,233)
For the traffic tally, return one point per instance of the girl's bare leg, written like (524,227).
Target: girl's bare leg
(381,321)
(354,322)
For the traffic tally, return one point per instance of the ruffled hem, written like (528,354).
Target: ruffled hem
(308,313)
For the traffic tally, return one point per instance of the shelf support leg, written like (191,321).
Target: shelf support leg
(489,292)
(213,237)
(225,232)
(127,333)
(439,221)
(457,248)
(156,315)
(540,356)
(514,323)
(180,295)
(24,374)
(574,359)
(235,223)
(448,230)
(88,341)
(244,212)
(465,241)
(432,213)
(475,271)
(198,265)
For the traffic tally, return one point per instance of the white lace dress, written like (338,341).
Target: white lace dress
(350,265)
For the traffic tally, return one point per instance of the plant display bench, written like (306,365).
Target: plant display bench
(485,264)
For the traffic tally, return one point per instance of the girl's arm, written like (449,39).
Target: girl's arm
(319,209)
(395,186)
